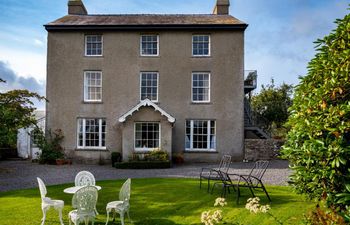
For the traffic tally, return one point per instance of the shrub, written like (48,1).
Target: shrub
(50,146)
(323,216)
(116,157)
(157,155)
(318,145)
(154,155)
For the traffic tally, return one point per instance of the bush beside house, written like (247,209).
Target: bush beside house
(155,159)
(318,144)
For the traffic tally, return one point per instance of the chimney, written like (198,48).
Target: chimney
(222,7)
(76,7)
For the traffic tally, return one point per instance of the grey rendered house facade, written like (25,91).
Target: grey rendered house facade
(133,83)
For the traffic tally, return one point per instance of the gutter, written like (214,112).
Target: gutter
(225,27)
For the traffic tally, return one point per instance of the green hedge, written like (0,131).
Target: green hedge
(143,165)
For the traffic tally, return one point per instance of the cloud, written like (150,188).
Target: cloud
(24,61)
(38,42)
(14,81)
(280,36)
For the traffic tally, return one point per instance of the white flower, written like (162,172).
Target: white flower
(254,207)
(265,208)
(220,201)
(217,216)
(205,215)
(206,218)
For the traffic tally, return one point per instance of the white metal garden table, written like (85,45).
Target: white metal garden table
(72,190)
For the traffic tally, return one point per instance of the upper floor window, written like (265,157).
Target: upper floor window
(91,133)
(93,45)
(147,136)
(201,45)
(149,45)
(200,87)
(149,86)
(200,135)
(92,86)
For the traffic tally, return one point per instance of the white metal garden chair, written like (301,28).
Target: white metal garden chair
(47,203)
(122,205)
(84,178)
(84,200)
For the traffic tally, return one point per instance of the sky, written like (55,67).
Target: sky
(278,41)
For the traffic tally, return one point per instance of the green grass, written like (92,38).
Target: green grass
(157,201)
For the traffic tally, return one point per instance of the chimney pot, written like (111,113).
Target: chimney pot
(76,7)
(222,7)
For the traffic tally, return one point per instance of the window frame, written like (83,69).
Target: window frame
(149,55)
(86,87)
(209,87)
(85,40)
(159,138)
(84,147)
(34,138)
(144,72)
(209,45)
(209,134)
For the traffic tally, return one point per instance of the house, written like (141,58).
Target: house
(133,83)
(26,140)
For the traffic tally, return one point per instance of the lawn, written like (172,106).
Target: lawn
(157,201)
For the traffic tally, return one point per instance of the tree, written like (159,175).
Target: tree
(16,111)
(271,105)
(318,145)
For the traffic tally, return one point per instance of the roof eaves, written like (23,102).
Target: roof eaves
(50,27)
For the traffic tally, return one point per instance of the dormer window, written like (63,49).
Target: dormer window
(93,45)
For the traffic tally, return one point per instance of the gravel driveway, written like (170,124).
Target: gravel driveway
(22,174)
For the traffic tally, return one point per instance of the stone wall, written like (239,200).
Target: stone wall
(256,149)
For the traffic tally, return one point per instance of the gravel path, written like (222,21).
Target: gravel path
(16,175)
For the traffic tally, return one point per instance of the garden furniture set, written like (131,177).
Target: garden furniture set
(85,199)
(227,180)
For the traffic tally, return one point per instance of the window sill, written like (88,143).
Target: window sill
(201,56)
(201,103)
(93,102)
(93,56)
(91,149)
(150,56)
(201,151)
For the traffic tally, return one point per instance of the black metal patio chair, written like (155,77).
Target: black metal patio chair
(253,180)
(215,173)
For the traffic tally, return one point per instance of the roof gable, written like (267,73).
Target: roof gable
(142,103)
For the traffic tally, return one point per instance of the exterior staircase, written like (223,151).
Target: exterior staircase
(251,129)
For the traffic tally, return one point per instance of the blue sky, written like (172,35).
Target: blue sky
(278,41)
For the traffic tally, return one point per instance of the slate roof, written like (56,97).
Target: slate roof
(136,21)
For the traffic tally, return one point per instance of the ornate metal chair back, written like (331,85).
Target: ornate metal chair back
(42,188)
(124,194)
(84,178)
(85,199)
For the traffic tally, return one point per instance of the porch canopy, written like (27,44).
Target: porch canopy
(146,102)
(145,127)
